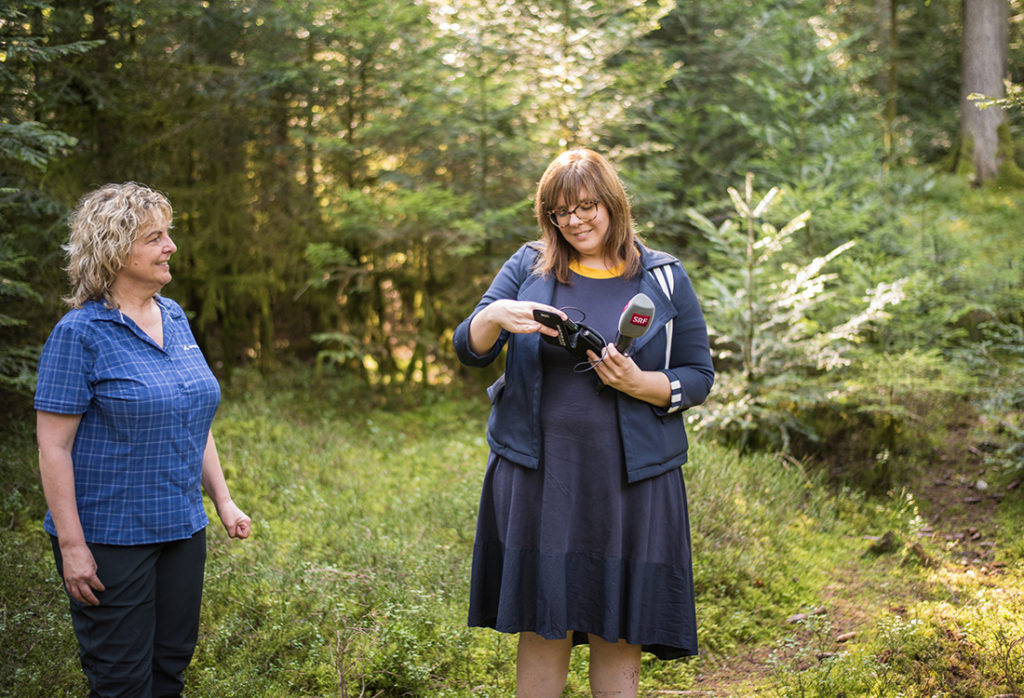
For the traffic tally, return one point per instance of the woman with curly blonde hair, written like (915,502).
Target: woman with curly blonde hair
(124,402)
(103,227)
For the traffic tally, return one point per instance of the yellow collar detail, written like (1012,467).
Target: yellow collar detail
(592,273)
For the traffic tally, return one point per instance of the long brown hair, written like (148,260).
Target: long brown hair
(570,173)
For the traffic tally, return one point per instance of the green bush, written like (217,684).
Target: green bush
(778,344)
(893,413)
(997,358)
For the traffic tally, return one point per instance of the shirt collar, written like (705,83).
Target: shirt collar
(593,273)
(98,310)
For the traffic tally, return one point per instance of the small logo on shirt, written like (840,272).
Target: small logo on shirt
(187,347)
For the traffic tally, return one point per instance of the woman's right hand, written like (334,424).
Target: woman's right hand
(80,573)
(517,316)
(507,314)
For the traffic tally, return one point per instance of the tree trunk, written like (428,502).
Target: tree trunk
(104,131)
(888,81)
(984,66)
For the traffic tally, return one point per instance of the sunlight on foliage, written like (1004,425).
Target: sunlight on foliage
(775,359)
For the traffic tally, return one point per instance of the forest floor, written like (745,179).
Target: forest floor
(960,534)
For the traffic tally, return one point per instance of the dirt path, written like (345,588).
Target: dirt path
(958,502)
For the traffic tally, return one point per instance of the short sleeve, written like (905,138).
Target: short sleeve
(62,385)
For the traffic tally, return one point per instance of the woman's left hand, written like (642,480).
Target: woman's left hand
(616,370)
(235,521)
(619,371)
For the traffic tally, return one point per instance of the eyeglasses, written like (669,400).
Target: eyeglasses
(584,210)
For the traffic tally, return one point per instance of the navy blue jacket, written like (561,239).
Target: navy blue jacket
(653,439)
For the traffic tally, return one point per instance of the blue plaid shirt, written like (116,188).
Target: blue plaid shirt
(146,414)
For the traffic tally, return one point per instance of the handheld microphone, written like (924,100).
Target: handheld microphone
(635,319)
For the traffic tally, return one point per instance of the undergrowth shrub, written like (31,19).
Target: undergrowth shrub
(998,359)
(355,579)
(763,530)
(362,528)
(894,413)
(782,331)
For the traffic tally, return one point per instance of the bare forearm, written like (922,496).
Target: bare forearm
(484,331)
(55,434)
(652,387)
(235,521)
(58,479)
(213,475)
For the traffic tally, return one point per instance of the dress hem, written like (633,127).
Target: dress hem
(579,637)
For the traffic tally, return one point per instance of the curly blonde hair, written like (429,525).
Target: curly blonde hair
(569,173)
(103,226)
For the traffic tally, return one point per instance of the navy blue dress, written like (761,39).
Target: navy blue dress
(572,546)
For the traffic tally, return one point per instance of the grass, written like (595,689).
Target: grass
(355,581)
(960,635)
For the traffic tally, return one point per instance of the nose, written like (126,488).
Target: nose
(170,246)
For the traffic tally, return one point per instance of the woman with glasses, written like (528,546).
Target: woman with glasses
(583,531)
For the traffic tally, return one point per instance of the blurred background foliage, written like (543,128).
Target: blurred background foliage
(347,176)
